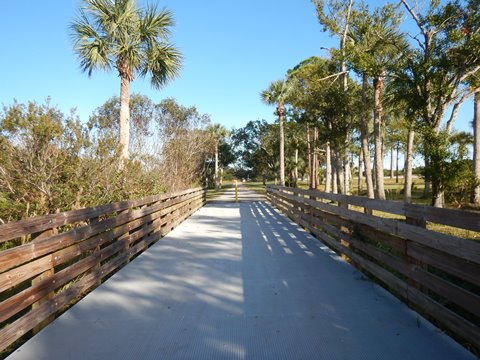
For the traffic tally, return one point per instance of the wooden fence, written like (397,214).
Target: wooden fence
(436,273)
(52,260)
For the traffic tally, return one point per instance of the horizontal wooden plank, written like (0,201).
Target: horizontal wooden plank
(464,219)
(12,332)
(27,297)
(27,252)
(36,224)
(469,220)
(447,290)
(374,235)
(446,262)
(466,249)
(443,260)
(19,274)
(452,321)
(393,207)
(173,212)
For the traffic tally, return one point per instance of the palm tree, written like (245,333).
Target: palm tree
(277,94)
(118,34)
(379,47)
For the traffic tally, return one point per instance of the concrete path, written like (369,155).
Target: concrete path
(239,281)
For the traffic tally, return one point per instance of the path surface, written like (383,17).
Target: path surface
(239,281)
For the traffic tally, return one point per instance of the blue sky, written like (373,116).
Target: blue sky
(232,50)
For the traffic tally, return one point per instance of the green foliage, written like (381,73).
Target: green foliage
(117,34)
(256,149)
(50,162)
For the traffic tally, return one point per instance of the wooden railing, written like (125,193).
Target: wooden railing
(51,261)
(436,273)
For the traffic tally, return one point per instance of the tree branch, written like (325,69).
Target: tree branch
(415,17)
(456,107)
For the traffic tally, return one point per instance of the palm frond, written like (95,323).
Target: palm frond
(155,25)
(91,47)
(277,92)
(163,62)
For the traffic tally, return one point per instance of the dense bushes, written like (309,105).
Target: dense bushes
(50,161)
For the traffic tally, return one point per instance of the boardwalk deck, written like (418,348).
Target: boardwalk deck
(239,281)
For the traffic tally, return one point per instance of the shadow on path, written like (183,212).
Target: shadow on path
(239,281)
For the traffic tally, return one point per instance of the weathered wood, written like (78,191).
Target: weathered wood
(27,252)
(17,229)
(448,318)
(14,331)
(466,249)
(447,290)
(410,250)
(469,220)
(445,262)
(19,274)
(96,249)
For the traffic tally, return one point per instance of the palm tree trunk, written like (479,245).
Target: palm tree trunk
(309,159)
(282,148)
(476,147)
(407,168)
(124,116)
(328,165)
(377,120)
(216,167)
(365,143)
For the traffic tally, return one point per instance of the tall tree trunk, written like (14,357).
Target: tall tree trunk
(315,157)
(216,167)
(282,146)
(360,172)
(124,116)
(295,170)
(340,175)
(364,139)
(328,168)
(221,178)
(334,172)
(392,149)
(346,169)
(407,168)
(476,147)
(340,171)
(377,120)
(397,163)
(309,159)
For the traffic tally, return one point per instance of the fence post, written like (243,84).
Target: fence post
(236,191)
(42,277)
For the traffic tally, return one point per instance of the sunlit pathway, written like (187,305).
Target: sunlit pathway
(239,281)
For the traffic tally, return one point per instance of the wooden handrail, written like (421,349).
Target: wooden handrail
(438,274)
(70,253)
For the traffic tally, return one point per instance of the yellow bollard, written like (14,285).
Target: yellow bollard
(236,191)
